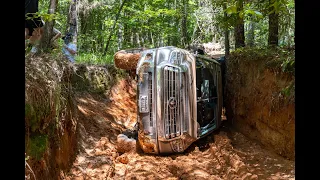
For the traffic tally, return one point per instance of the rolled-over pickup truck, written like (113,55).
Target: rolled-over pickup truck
(179,98)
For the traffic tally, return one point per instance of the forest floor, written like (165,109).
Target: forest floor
(225,154)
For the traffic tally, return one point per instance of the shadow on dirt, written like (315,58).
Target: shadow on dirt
(222,154)
(93,124)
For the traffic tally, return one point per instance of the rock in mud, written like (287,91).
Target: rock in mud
(123,159)
(125,144)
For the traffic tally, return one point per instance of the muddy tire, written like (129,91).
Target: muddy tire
(126,61)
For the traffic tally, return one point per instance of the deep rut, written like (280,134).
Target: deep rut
(225,154)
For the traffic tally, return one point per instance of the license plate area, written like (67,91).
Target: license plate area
(143,104)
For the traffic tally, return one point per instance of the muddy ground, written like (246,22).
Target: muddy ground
(225,154)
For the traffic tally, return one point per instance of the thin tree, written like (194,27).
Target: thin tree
(120,31)
(73,20)
(45,43)
(239,26)
(226,31)
(184,39)
(273,37)
(250,37)
(113,27)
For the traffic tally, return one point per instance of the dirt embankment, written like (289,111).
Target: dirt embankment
(50,117)
(260,98)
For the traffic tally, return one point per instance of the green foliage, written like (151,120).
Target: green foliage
(277,6)
(44,16)
(279,58)
(250,12)
(289,90)
(35,114)
(30,115)
(148,23)
(288,65)
(231,10)
(94,58)
(37,146)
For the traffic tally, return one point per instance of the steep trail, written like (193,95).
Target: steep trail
(225,154)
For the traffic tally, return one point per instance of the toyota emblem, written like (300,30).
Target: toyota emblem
(172,103)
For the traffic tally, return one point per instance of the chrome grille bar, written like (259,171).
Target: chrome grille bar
(185,109)
(150,99)
(172,97)
(166,119)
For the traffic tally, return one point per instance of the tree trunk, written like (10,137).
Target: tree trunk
(45,44)
(226,32)
(161,43)
(239,27)
(184,39)
(73,21)
(126,33)
(114,24)
(174,22)
(83,26)
(131,38)
(273,26)
(151,41)
(120,32)
(73,18)
(137,39)
(251,34)
(120,38)
(142,36)
(168,22)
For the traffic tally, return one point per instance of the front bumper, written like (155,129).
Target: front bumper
(167,103)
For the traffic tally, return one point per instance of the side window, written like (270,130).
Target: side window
(199,78)
(205,89)
(208,84)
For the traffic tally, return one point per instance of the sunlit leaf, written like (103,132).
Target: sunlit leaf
(258,14)
(192,3)
(231,10)
(241,14)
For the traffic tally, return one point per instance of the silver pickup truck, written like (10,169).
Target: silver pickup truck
(179,98)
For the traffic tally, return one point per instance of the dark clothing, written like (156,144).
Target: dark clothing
(31,6)
(200,51)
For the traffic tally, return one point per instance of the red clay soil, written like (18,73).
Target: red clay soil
(225,154)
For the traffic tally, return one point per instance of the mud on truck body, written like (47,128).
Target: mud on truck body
(179,98)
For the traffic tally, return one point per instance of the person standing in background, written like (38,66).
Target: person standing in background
(69,49)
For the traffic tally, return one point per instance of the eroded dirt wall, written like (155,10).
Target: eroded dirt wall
(51,115)
(259,103)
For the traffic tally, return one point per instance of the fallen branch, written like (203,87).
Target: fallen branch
(34,176)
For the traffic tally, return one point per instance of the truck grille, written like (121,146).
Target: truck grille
(150,98)
(172,98)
